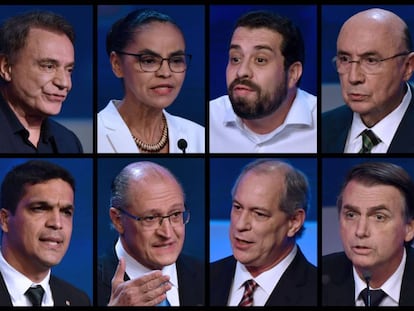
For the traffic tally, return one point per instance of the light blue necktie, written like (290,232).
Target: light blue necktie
(164,303)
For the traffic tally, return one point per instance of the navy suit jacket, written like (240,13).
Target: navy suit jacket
(190,274)
(64,294)
(297,286)
(338,286)
(337,122)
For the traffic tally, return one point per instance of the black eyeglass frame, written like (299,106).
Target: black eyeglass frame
(186,55)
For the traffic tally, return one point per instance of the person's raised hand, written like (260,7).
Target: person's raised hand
(148,290)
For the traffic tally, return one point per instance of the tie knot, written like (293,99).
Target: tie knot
(373,297)
(369,140)
(247,299)
(35,295)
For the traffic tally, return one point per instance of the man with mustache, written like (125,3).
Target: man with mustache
(36,63)
(374,63)
(265,111)
(36,218)
(270,201)
(376,225)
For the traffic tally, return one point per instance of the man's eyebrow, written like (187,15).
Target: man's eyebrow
(55,62)
(256,47)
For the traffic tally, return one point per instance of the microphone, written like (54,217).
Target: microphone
(182,144)
(367,277)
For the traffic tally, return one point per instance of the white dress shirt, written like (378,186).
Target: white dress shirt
(114,135)
(392,287)
(17,284)
(135,270)
(266,281)
(384,129)
(297,134)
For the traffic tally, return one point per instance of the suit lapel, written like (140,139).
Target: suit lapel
(4,293)
(402,141)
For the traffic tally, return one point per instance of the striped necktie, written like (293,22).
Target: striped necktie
(247,299)
(369,140)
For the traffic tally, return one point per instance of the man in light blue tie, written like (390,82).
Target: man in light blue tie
(146,266)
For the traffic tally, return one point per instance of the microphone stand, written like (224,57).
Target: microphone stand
(367,277)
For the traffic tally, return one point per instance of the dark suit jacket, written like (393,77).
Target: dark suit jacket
(338,286)
(190,274)
(63,293)
(337,122)
(297,286)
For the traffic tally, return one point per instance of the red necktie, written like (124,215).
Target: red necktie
(247,299)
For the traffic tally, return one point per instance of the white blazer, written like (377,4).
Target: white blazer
(114,135)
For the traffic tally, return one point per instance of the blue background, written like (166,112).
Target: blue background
(222,20)
(76,266)
(190,172)
(334,171)
(190,103)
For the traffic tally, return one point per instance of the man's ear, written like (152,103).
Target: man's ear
(295,72)
(5,68)
(115,216)
(296,222)
(4,219)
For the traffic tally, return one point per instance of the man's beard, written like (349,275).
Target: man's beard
(263,106)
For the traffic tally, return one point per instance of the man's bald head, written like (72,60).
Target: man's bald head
(378,23)
(141,174)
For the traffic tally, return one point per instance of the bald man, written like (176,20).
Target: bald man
(146,266)
(374,63)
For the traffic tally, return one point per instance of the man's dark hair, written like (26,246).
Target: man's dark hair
(29,173)
(292,47)
(14,31)
(383,173)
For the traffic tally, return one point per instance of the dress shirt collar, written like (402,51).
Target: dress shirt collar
(384,129)
(266,281)
(392,287)
(17,284)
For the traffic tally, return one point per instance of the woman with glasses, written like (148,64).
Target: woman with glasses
(147,52)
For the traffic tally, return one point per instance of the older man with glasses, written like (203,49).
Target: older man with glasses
(146,267)
(374,63)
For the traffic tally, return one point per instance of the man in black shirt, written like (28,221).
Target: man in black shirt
(36,63)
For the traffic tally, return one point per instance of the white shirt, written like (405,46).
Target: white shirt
(114,135)
(392,287)
(297,134)
(384,129)
(17,284)
(135,270)
(266,281)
